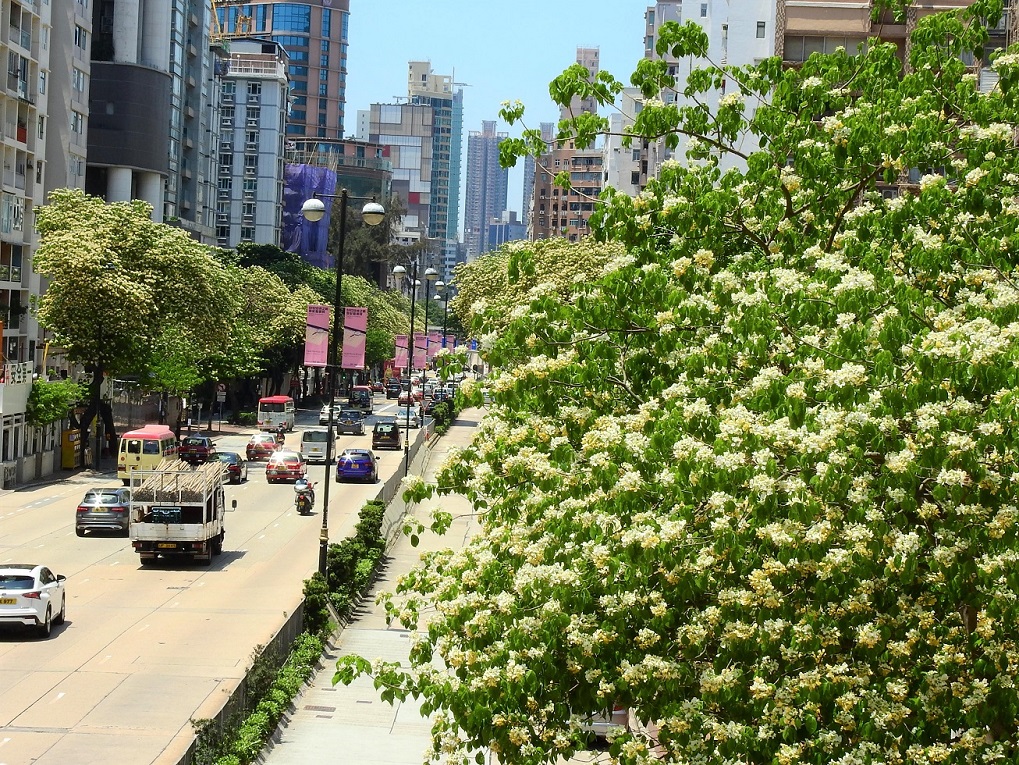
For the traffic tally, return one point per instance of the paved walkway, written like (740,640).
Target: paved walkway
(350,723)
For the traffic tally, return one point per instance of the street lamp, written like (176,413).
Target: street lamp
(372,214)
(430,276)
(398,274)
(444,292)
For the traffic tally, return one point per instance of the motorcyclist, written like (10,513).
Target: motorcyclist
(302,486)
(281,434)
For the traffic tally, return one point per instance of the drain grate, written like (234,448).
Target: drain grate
(313,708)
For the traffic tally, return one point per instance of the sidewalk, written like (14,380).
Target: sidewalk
(329,720)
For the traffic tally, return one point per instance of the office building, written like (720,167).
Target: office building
(505,228)
(153,128)
(314,34)
(625,166)
(253,113)
(487,185)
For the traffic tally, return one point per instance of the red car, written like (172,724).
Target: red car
(196,449)
(285,466)
(377,386)
(261,446)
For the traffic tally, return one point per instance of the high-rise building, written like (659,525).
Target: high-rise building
(565,212)
(314,34)
(424,87)
(547,130)
(487,185)
(505,228)
(625,166)
(253,115)
(153,129)
(424,140)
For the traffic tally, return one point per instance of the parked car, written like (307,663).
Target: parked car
(386,435)
(32,596)
(285,466)
(357,465)
(103,509)
(197,449)
(415,416)
(234,466)
(350,421)
(261,446)
(393,389)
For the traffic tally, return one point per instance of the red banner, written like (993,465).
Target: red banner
(316,336)
(355,336)
(449,341)
(420,350)
(402,355)
(434,343)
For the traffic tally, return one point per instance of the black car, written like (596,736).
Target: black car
(350,421)
(393,389)
(386,435)
(234,466)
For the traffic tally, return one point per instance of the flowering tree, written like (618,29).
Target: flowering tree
(757,483)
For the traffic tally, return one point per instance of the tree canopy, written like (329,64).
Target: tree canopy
(756,482)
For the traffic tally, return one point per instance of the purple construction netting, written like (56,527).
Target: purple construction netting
(309,240)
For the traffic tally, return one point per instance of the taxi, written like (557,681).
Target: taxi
(285,466)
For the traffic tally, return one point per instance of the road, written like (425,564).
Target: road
(145,650)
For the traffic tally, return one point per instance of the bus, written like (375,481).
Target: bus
(274,411)
(361,398)
(143,449)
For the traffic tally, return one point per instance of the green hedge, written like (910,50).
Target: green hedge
(352,565)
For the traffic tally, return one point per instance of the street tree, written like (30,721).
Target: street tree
(757,481)
(119,284)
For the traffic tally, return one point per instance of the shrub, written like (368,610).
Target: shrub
(246,418)
(316,614)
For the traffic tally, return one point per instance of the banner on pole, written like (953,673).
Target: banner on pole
(449,342)
(434,341)
(316,336)
(402,356)
(420,350)
(355,336)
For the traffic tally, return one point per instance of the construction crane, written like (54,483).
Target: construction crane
(219,31)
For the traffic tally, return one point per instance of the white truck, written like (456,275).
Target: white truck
(178,510)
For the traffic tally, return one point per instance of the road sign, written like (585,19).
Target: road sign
(221,396)
(221,387)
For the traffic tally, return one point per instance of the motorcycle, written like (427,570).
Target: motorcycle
(281,438)
(304,496)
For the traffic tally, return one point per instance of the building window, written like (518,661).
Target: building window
(79,80)
(291,17)
(247,233)
(80,38)
(254,88)
(77,122)
(250,184)
(42,82)
(704,10)
(760,30)
(327,23)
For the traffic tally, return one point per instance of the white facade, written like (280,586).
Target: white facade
(624,164)
(252,127)
(739,34)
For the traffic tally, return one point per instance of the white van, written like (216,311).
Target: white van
(313,445)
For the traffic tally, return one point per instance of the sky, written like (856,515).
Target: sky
(501,51)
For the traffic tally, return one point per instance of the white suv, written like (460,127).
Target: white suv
(31,595)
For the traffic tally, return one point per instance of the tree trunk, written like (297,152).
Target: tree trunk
(91,409)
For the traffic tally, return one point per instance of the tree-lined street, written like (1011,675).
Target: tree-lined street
(144,650)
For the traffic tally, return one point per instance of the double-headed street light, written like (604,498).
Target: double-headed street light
(372,214)
(430,276)
(443,293)
(398,274)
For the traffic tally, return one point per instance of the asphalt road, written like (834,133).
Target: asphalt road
(145,650)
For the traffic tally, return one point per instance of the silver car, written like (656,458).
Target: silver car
(413,411)
(103,509)
(32,596)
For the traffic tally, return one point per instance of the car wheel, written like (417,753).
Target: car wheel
(62,616)
(46,627)
(80,532)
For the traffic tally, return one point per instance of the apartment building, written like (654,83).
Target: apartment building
(314,34)
(253,116)
(46,49)
(487,187)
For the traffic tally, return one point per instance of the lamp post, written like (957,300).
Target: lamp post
(430,276)
(398,273)
(443,293)
(373,214)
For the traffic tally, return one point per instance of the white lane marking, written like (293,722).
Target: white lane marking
(59,696)
(143,628)
(4,741)
(174,604)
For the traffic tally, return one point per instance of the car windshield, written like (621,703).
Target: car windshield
(350,414)
(315,436)
(194,441)
(385,428)
(227,457)
(359,454)
(16,582)
(101,498)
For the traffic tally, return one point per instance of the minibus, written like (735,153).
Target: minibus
(143,449)
(274,411)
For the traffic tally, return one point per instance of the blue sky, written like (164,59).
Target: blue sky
(504,51)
